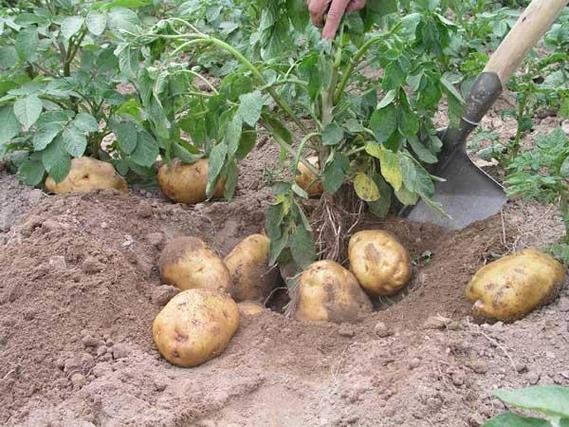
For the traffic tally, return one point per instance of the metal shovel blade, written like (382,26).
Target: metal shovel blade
(468,195)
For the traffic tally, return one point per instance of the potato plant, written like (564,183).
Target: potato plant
(313,97)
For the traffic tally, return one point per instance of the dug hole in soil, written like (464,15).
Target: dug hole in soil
(79,289)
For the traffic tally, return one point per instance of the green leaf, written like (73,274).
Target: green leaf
(408,123)
(302,247)
(332,134)
(127,136)
(71,26)
(28,110)
(273,219)
(56,161)
(215,165)
(509,419)
(564,108)
(298,13)
(380,208)
(45,135)
(10,126)
(451,91)
(31,172)
(250,107)
(564,170)
(130,4)
(383,123)
(335,172)
(74,141)
(232,135)
(415,178)
(27,43)
(278,128)
(123,19)
(422,152)
(549,399)
(8,57)
(96,23)
(365,187)
(146,150)
(299,191)
(246,143)
(231,175)
(387,99)
(406,197)
(184,154)
(86,122)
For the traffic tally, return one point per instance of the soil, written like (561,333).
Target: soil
(80,287)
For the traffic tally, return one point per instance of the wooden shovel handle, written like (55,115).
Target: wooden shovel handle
(530,27)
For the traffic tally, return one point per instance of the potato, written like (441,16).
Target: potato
(307,180)
(248,264)
(250,308)
(515,285)
(195,326)
(329,292)
(187,263)
(185,183)
(87,174)
(380,263)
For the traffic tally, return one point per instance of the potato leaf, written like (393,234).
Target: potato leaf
(551,400)
(332,134)
(366,188)
(509,419)
(383,123)
(335,171)
(10,124)
(28,110)
(71,26)
(250,107)
(302,247)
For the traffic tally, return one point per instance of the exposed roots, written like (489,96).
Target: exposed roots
(333,220)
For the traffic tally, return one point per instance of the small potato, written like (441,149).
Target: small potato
(247,263)
(185,183)
(307,180)
(87,174)
(380,263)
(329,292)
(188,263)
(250,308)
(515,285)
(195,326)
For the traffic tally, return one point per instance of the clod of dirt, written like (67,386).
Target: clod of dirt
(382,330)
(91,265)
(436,322)
(162,294)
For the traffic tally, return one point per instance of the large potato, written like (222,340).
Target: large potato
(329,292)
(307,180)
(515,285)
(248,264)
(380,263)
(187,263)
(87,174)
(195,326)
(185,183)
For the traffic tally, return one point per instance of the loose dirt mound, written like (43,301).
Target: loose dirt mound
(79,289)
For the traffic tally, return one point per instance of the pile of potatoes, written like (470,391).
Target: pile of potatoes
(199,322)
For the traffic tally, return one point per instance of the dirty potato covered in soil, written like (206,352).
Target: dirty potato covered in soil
(329,292)
(188,263)
(248,263)
(380,263)
(186,183)
(515,285)
(87,174)
(195,326)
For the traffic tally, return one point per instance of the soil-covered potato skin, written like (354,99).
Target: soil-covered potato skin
(307,180)
(195,326)
(250,308)
(247,263)
(188,263)
(381,264)
(186,183)
(87,174)
(515,285)
(329,292)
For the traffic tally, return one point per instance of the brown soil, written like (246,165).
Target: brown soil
(79,288)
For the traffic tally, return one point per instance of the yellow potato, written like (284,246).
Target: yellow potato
(187,263)
(329,292)
(87,174)
(195,326)
(307,180)
(185,183)
(248,264)
(515,285)
(380,263)
(250,308)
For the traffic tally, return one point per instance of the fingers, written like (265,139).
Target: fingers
(356,5)
(334,18)
(317,9)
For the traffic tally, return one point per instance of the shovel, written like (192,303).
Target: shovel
(469,194)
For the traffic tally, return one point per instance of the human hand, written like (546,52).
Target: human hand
(334,16)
